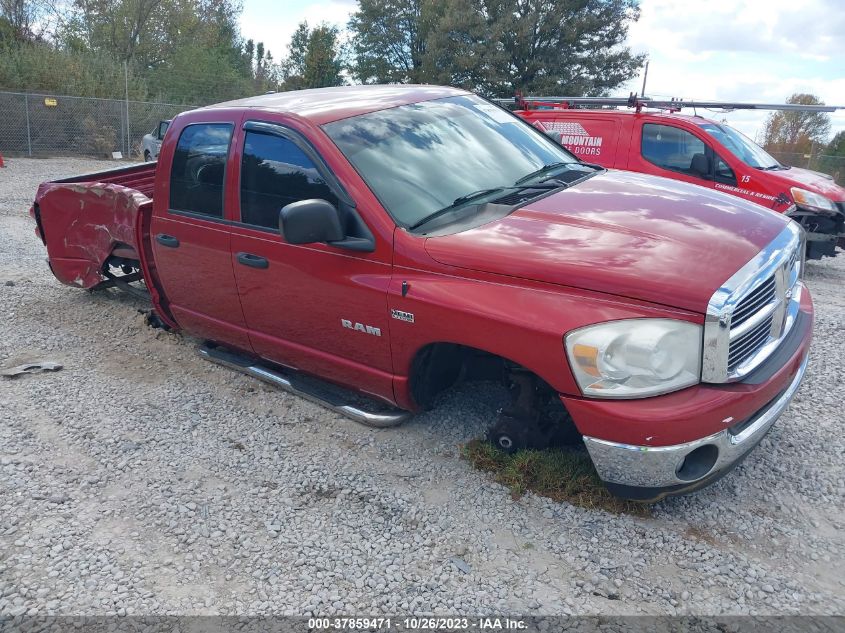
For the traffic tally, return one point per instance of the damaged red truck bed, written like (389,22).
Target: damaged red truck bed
(368,247)
(96,220)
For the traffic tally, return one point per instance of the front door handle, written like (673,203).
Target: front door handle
(254,261)
(167,240)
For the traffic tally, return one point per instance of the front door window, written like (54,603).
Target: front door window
(274,173)
(675,149)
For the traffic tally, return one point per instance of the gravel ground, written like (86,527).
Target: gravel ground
(142,479)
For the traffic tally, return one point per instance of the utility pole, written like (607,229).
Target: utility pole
(645,76)
(126,86)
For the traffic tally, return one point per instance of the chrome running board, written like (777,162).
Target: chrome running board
(293,384)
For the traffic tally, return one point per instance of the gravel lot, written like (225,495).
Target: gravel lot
(142,479)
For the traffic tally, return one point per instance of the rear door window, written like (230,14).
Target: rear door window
(672,148)
(274,173)
(199,169)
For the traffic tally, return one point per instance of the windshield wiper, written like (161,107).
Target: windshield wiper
(544,169)
(476,194)
(457,202)
(552,166)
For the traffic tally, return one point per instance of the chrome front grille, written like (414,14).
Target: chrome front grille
(748,344)
(755,301)
(749,316)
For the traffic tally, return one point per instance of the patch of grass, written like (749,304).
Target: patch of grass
(561,475)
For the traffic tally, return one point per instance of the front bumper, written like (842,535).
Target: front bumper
(648,473)
(824,231)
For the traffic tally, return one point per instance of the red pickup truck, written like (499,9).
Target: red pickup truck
(703,152)
(388,241)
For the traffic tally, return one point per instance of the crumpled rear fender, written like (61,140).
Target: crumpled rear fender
(84,223)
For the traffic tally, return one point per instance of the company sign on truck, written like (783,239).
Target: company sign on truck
(575,137)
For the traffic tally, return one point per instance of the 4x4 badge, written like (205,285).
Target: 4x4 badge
(402,316)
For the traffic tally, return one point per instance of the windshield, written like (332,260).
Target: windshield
(743,147)
(422,157)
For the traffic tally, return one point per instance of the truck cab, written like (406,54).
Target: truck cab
(706,153)
(381,243)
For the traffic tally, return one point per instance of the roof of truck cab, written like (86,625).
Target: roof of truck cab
(323,105)
(696,119)
(661,114)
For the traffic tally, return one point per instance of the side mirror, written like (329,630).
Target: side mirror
(309,221)
(556,136)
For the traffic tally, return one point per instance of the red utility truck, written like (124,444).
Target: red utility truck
(379,243)
(695,150)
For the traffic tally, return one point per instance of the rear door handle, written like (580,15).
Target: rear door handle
(254,261)
(167,240)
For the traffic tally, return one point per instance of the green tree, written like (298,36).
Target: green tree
(322,63)
(17,20)
(184,51)
(27,20)
(833,159)
(461,39)
(797,131)
(294,65)
(123,28)
(836,147)
(570,46)
(391,39)
(149,32)
(313,59)
(497,46)
(198,76)
(42,68)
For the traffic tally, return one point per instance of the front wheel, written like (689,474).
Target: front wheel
(510,435)
(147,156)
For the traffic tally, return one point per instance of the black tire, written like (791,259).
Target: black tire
(147,156)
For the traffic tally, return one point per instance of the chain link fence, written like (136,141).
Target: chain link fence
(50,125)
(831,165)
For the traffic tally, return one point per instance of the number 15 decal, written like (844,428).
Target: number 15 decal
(746,179)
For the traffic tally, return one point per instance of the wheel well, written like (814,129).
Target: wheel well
(438,366)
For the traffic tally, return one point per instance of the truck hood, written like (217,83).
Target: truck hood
(621,233)
(810,180)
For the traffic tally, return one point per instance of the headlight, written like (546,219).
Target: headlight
(635,358)
(812,201)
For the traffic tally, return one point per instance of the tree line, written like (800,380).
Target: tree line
(192,51)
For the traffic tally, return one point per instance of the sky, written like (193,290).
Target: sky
(722,50)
